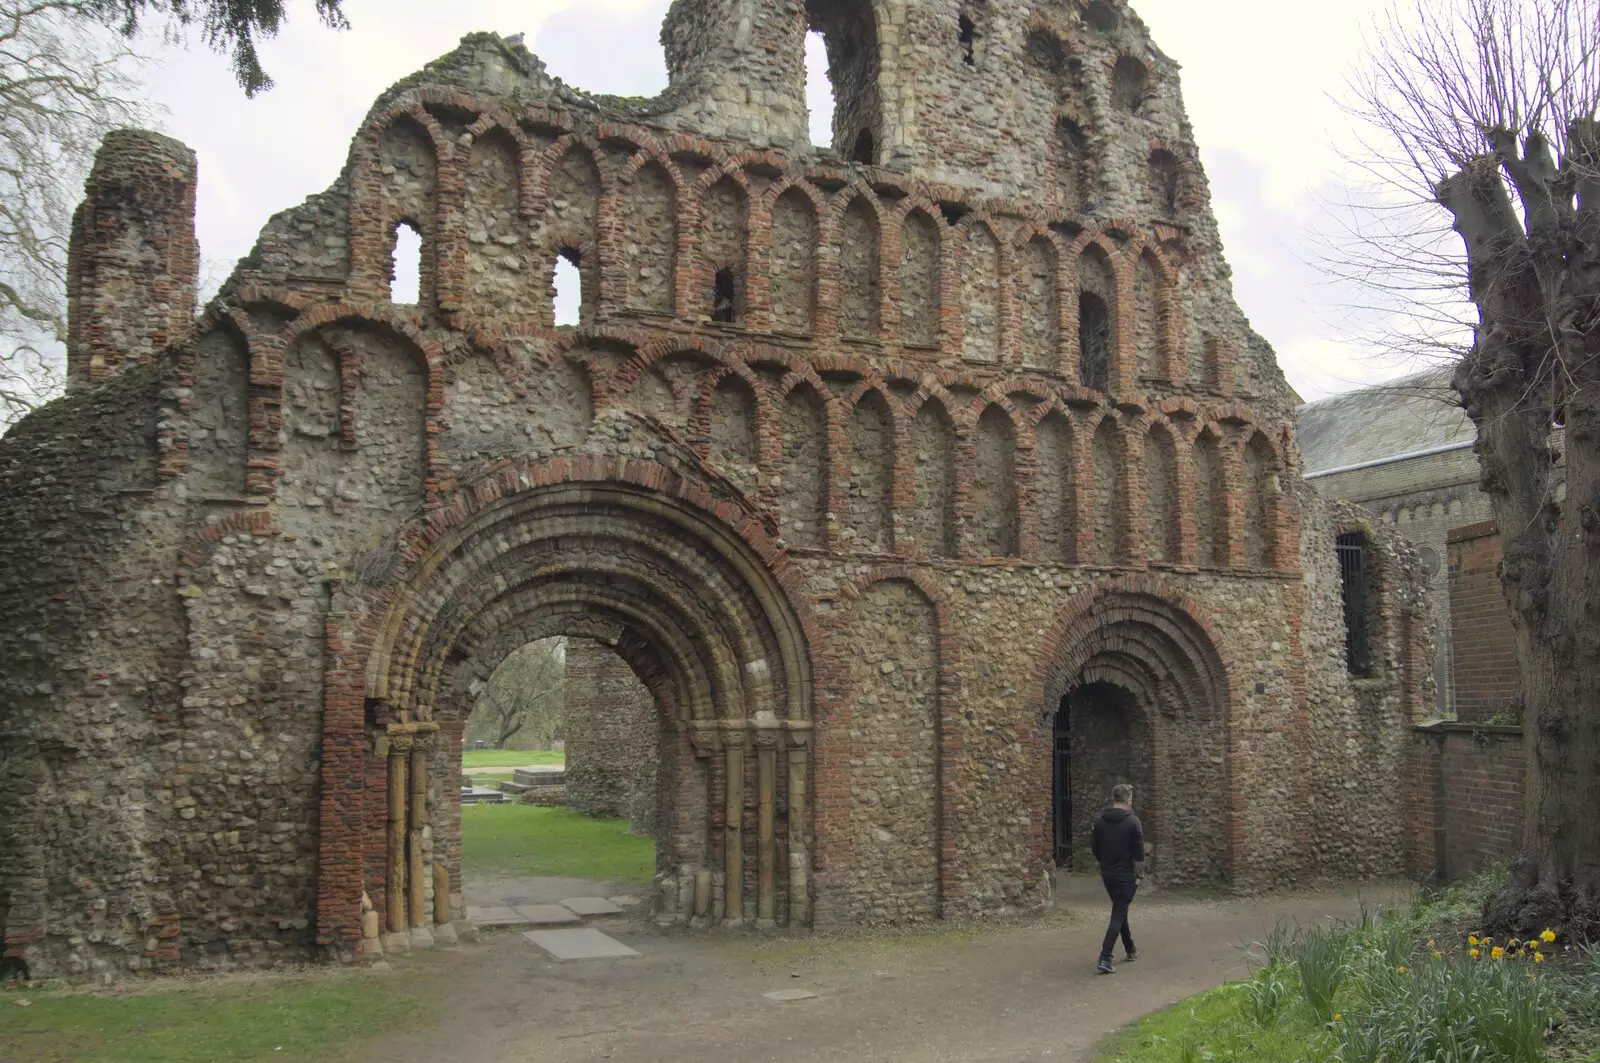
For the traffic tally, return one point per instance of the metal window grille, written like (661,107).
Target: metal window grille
(1353,582)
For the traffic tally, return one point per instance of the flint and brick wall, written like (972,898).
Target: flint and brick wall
(612,736)
(857,543)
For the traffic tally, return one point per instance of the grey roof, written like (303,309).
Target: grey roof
(1403,416)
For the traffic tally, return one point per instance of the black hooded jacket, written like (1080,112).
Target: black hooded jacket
(1118,842)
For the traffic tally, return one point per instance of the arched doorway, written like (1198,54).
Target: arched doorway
(1102,738)
(1135,691)
(657,571)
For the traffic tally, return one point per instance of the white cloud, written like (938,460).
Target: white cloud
(1260,81)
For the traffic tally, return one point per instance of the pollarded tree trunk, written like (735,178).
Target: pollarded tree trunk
(1534,369)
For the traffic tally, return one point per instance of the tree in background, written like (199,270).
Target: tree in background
(64,83)
(1485,116)
(523,699)
(232,27)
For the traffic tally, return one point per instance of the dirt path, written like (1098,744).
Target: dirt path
(1018,993)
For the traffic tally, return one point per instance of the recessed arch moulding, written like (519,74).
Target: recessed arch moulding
(828,460)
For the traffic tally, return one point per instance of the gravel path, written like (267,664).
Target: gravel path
(1019,993)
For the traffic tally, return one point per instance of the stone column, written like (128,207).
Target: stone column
(765,733)
(733,843)
(799,748)
(416,876)
(394,885)
(706,739)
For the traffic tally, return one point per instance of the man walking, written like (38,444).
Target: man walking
(1118,844)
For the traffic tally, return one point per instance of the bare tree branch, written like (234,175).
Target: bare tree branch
(64,83)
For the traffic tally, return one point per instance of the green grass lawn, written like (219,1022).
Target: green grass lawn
(322,1019)
(1212,1026)
(526,840)
(509,758)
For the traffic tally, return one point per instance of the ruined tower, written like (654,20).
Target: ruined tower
(133,262)
(918,477)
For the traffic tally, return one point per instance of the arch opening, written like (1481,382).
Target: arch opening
(561,767)
(848,35)
(667,612)
(1136,692)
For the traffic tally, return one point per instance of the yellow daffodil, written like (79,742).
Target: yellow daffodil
(1497,953)
(1474,953)
(1337,1016)
(1548,936)
(1472,939)
(1538,957)
(1437,954)
(1514,943)
(1400,970)
(1431,943)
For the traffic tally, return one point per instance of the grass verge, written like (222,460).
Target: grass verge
(526,840)
(509,758)
(321,1019)
(1414,986)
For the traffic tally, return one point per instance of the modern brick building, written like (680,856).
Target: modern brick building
(928,482)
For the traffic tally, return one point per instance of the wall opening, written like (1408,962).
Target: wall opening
(967,37)
(405,266)
(724,297)
(1101,739)
(849,33)
(561,764)
(1094,342)
(1355,587)
(567,289)
(862,152)
(1102,16)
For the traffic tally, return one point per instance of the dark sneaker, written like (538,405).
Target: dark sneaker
(1133,954)
(1104,967)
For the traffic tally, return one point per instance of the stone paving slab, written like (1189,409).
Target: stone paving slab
(790,994)
(590,906)
(546,914)
(496,915)
(582,943)
(626,902)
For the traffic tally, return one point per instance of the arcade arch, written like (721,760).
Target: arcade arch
(694,608)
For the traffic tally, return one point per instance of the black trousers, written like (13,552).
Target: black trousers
(1121,891)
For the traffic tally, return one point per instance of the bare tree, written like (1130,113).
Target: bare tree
(1485,114)
(64,83)
(526,696)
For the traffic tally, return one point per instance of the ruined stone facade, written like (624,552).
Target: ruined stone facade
(866,461)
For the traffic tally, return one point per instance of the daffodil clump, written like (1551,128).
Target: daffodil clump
(1379,998)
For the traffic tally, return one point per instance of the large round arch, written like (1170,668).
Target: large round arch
(689,589)
(1132,687)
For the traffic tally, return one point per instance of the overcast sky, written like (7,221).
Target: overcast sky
(1260,81)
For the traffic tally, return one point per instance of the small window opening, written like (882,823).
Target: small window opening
(820,100)
(568,289)
(1102,16)
(405,268)
(1352,548)
(967,35)
(724,294)
(862,152)
(1094,342)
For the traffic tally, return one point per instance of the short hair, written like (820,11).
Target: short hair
(1122,794)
